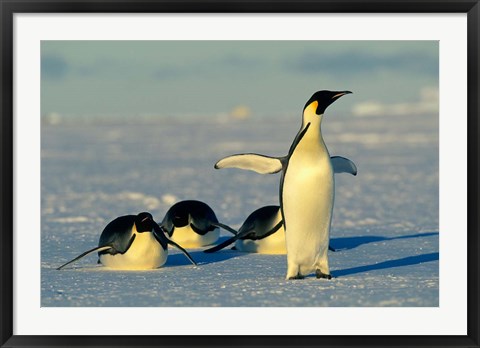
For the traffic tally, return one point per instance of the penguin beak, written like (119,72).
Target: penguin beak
(339,94)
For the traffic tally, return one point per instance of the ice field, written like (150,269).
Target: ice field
(385,226)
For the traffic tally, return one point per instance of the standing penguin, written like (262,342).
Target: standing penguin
(132,242)
(307,189)
(263,232)
(193,224)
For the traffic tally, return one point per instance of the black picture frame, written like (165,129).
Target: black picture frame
(10,7)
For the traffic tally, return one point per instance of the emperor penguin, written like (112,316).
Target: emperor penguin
(132,242)
(307,189)
(258,234)
(263,232)
(192,224)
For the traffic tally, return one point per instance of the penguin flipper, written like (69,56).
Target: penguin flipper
(200,230)
(159,235)
(171,242)
(101,248)
(251,161)
(225,227)
(274,229)
(167,227)
(223,244)
(343,165)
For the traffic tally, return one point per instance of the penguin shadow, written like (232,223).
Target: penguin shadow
(201,258)
(353,242)
(347,243)
(406,261)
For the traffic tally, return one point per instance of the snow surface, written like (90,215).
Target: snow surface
(385,223)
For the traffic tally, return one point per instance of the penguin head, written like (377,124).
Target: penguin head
(180,219)
(144,222)
(323,99)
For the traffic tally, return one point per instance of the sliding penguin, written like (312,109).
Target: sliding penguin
(132,242)
(307,189)
(192,224)
(263,232)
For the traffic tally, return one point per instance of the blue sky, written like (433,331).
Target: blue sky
(131,78)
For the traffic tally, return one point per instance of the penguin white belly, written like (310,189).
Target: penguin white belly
(308,193)
(144,253)
(188,238)
(273,244)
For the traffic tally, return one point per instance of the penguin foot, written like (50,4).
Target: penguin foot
(320,274)
(298,276)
